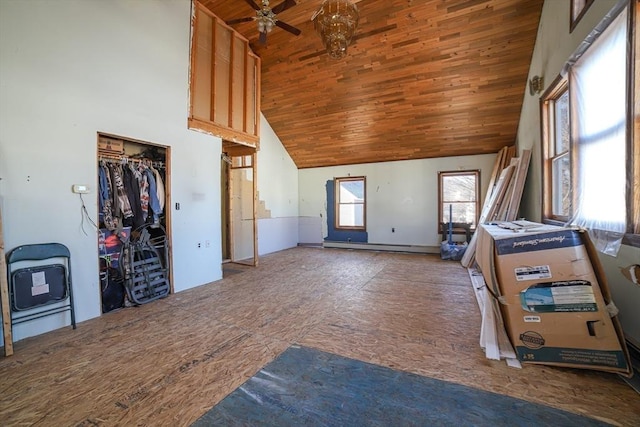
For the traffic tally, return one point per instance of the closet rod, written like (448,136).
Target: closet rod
(126,159)
(117,157)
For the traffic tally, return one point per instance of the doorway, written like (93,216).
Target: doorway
(239,219)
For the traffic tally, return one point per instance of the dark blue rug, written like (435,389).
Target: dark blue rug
(307,387)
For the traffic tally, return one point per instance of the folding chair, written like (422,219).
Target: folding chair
(34,290)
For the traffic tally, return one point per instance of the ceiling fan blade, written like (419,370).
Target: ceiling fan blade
(253,4)
(286,4)
(287,27)
(263,37)
(237,21)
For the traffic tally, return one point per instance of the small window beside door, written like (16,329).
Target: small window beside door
(350,203)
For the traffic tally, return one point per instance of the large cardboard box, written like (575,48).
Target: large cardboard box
(553,295)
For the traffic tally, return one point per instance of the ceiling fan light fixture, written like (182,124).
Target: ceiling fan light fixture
(265,18)
(336,22)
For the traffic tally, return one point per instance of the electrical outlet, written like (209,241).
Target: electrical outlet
(80,189)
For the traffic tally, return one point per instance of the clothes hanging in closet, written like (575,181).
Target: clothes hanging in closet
(106,208)
(132,190)
(131,194)
(121,200)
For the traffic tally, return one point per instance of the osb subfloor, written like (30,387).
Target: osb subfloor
(169,361)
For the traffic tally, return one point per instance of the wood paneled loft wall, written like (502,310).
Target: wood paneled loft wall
(225,81)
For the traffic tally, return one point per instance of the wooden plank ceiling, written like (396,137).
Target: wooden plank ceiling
(422,79)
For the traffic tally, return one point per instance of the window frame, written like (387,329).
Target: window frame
(577,10)
(633,163)
(338,203)
(547,113)
(478,187)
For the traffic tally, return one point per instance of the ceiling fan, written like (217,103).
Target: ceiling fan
(266,18)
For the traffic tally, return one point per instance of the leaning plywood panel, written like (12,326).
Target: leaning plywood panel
(489,211)
(495,174)
(519,179)
(501,211)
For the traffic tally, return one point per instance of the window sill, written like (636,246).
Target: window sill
(629,239)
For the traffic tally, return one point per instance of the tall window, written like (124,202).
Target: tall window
(459,196)
(585,140)
(558,153)
(350,203)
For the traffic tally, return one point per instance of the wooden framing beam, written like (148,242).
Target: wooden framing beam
(4,298)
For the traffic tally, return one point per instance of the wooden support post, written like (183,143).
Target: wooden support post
(4,298)
(254,161)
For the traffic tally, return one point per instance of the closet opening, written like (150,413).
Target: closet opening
(134,230)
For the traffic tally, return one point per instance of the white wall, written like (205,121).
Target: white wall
(71,68)
(278,189)
(554,45)
(401,195)
(625,294)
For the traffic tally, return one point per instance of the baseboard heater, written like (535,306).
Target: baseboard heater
(383,247)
